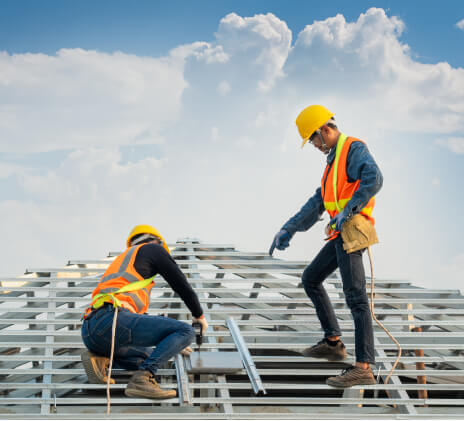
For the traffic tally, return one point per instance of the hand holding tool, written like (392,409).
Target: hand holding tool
(198,333)
(200,325)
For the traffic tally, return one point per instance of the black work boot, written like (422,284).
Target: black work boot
(352,376)
(96,367)
(143,385)
(323,350)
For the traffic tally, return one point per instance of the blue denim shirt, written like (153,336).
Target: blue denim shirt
(360,166)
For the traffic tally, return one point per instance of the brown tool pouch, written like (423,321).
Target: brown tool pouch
(358,233)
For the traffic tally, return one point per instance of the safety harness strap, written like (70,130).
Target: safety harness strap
(104,297)
(134,285)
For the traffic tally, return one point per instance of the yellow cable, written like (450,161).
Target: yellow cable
(378,322)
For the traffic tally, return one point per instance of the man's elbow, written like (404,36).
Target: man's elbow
(379,180)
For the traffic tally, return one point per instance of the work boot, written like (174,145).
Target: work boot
(352,376)
(143,385)
(96,367)
(323,350)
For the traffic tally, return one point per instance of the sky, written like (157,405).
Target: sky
(182,115)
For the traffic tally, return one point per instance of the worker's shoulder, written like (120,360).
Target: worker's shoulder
(356,141)
(358,145)
(151,249)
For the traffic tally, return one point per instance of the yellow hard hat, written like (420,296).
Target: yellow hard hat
(146,229)
(311,119)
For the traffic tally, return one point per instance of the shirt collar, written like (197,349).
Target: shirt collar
(331,155)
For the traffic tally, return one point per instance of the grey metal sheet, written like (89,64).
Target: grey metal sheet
(214,363)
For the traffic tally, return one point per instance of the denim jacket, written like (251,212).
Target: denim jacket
(360,166)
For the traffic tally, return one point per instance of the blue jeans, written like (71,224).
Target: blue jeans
(351,268)
(136,334)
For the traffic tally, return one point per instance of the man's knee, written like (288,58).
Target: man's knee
(310,279)
(357,300)
(188,332)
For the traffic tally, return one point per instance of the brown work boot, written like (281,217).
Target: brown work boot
(96,367)
(143,385)
(352,376)
(323,350)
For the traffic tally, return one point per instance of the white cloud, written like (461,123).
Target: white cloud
(94,175)
(264,40)
(8,170)
(81,98)
(367,70)
(202,51)
(436,181)
(454,144)
(232,168)
(223,88)
(214,134)
(85,205)
(460,24)
(452,269)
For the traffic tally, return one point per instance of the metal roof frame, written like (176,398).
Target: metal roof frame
(255,305)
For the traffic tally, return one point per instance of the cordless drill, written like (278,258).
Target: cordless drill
(198,334)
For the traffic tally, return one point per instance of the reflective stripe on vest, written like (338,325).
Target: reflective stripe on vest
(110,296)
(122,269)
(127,296)
(339,191)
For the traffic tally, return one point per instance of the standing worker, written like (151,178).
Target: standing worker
(348,186)
(127,284)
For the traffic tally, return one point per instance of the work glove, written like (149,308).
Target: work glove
(336,223)
(203,322)
(281,241)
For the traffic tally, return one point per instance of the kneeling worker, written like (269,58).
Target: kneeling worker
(127,282)
(348,186)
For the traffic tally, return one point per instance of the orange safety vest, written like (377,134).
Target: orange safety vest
(122,285)
(336,191)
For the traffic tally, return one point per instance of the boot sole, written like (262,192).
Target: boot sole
(90,370)
(360,382)
(135,393)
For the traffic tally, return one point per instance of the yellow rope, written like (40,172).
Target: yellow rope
(108,380)
(378,322)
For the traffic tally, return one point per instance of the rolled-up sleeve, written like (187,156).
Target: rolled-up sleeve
(308,215)
(362,166)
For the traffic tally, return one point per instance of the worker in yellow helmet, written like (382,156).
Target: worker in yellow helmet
(127,284)
(350,181)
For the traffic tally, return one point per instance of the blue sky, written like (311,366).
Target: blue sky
(181,114)
(149,27)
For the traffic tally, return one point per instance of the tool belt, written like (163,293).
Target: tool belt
(358,233)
